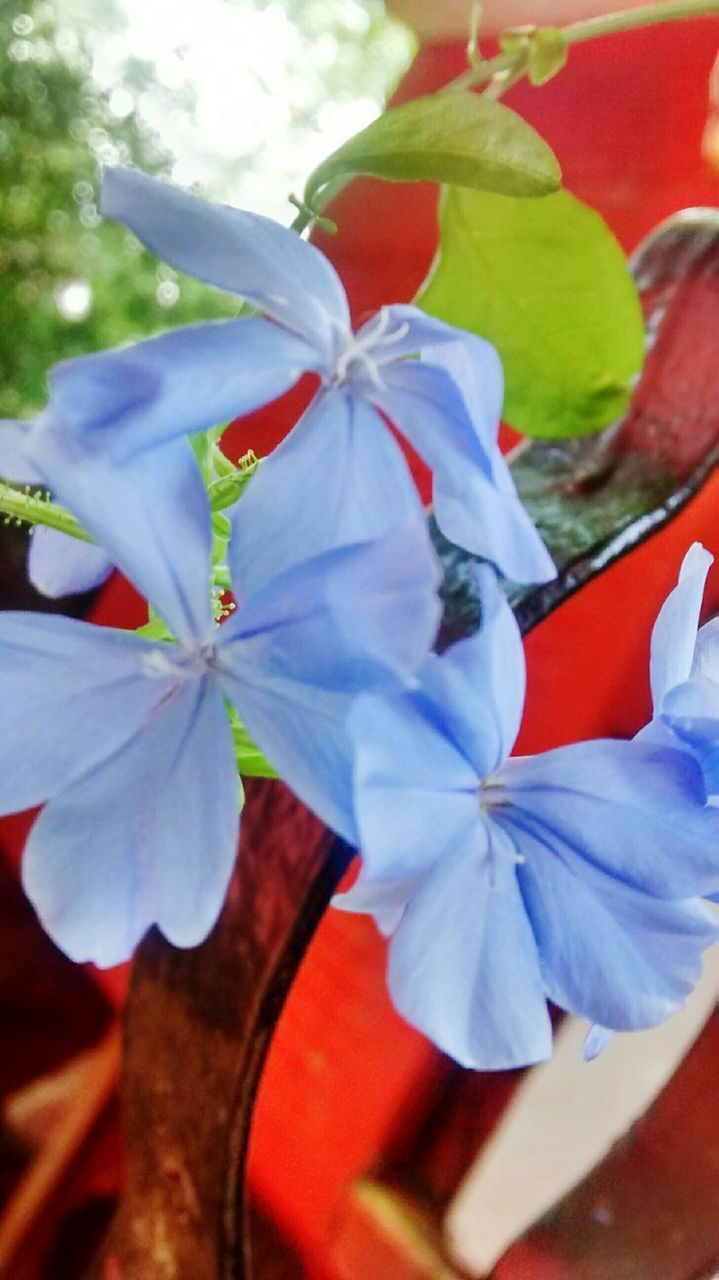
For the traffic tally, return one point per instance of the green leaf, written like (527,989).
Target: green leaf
(250,760)
(455,137)
(548,284)
(225,491)
(155,628)
(547,54)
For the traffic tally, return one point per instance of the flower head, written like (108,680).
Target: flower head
(568,876)
(685,670)
(446,403)
(127,741)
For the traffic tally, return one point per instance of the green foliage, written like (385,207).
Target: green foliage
(228,488)
(547,55)
(449,137)
(250,761)
(544,50)
(155,628)
(547,283)
(55,127)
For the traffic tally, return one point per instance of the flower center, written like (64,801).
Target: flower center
(172,662)
(501,847)
(491,793)
(364,353)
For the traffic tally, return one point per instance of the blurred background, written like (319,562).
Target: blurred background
(242,101)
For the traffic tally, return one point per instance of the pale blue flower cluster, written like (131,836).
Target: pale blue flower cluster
(572,876)
(576,876)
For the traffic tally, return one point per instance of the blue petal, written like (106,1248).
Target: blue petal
(147,837)
(631,809)
(675,630)
(178,383)
(384,900)
(16,463)
(694,723)
(475,502)
(415,793)
(295,654)
(150,514)
(463,965)
(302,732)
(658,734)
(337,478)
(690,710)
(595,1042)
(705,661)
(349,620)
(478,684)
(71,694)
(609,953)
(245,253)
(59,565)
(472,363)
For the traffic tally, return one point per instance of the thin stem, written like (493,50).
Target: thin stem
(20,505)
(499,84)
(301,222)
(309,214)
(591,29)
(31,508)
(628,19)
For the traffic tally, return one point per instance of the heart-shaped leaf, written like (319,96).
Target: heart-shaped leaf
(548,284)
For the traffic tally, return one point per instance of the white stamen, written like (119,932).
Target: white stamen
(397,336)
(380,327)
(518,859)
(500,842)
(502,847)
(355,353)
(378,336)
(361,350)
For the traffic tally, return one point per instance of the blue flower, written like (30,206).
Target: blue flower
(57,564)
(127,741)
(447,403)
(569,876)
(684,670)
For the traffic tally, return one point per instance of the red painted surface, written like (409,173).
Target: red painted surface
(347,1082)
(346,1079)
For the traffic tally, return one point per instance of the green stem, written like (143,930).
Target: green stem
(499,84)
(31,508)
(501,72)
(18,504)
(591,29)
(225,491)
(628,19)
(302,221)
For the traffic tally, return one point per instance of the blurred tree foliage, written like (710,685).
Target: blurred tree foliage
(69,282)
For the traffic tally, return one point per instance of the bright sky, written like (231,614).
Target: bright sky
(241,97)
